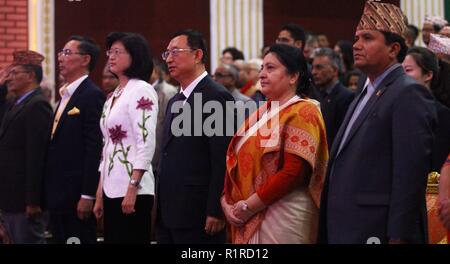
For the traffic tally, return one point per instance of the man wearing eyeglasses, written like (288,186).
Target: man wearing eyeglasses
(23,135)
(75,145)
(191,168)
(228,75)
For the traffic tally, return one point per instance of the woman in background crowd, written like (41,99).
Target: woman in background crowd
(422,65)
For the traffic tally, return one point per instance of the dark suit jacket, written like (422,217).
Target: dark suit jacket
(23,143)
(333,107)
(441,88)
(75,150)
(192,168)
(441,146)
(375,186)
(3,102)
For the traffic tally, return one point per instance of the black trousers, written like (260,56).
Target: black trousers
(193,235)
(66,225)
(120,228)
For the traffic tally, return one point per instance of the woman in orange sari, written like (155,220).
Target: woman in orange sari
(277,160)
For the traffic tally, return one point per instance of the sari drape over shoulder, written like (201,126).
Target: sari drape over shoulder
(256,153)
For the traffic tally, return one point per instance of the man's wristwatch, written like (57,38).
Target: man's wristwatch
(135,183)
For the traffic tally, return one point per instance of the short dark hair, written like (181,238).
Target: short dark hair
(412,31)
(391,38)
(161,65)
(235,53)
(37,70)
(88,47)
(292,58)
(354,72)
(195,41)
(297,32)
(141,61)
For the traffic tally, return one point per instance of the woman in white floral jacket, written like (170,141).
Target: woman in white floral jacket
(128,123)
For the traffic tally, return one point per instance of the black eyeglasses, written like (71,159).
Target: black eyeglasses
(68,52)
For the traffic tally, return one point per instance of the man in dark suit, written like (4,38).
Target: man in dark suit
(4,102)
(335,97)
(23,140)
(192,165)
(375,185)
(75,145)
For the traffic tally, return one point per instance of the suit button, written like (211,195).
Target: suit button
(165,154)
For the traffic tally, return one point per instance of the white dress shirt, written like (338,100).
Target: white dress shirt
(190,88)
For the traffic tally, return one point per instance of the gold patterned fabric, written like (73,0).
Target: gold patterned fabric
(437,233)
(297,129)
(383,17)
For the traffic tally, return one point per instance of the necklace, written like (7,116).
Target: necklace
(118,91)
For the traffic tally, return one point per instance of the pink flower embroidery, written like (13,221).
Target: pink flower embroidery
(117,134)
(144,104)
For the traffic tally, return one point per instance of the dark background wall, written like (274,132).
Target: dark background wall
(336,18)
(155,20)
(158,20)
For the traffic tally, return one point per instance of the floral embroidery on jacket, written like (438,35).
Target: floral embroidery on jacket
(103,116)
(117,134)
(144,104)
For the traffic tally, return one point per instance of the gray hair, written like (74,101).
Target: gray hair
(334,58)
(233,70)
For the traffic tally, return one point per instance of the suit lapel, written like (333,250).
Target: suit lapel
(341,131)
(190,101)
(15,110)
(72,101)
(368,108)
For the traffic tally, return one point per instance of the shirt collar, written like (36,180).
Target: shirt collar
(23,97)
(188,90)
(72,87)
(380,78)
(330,88)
